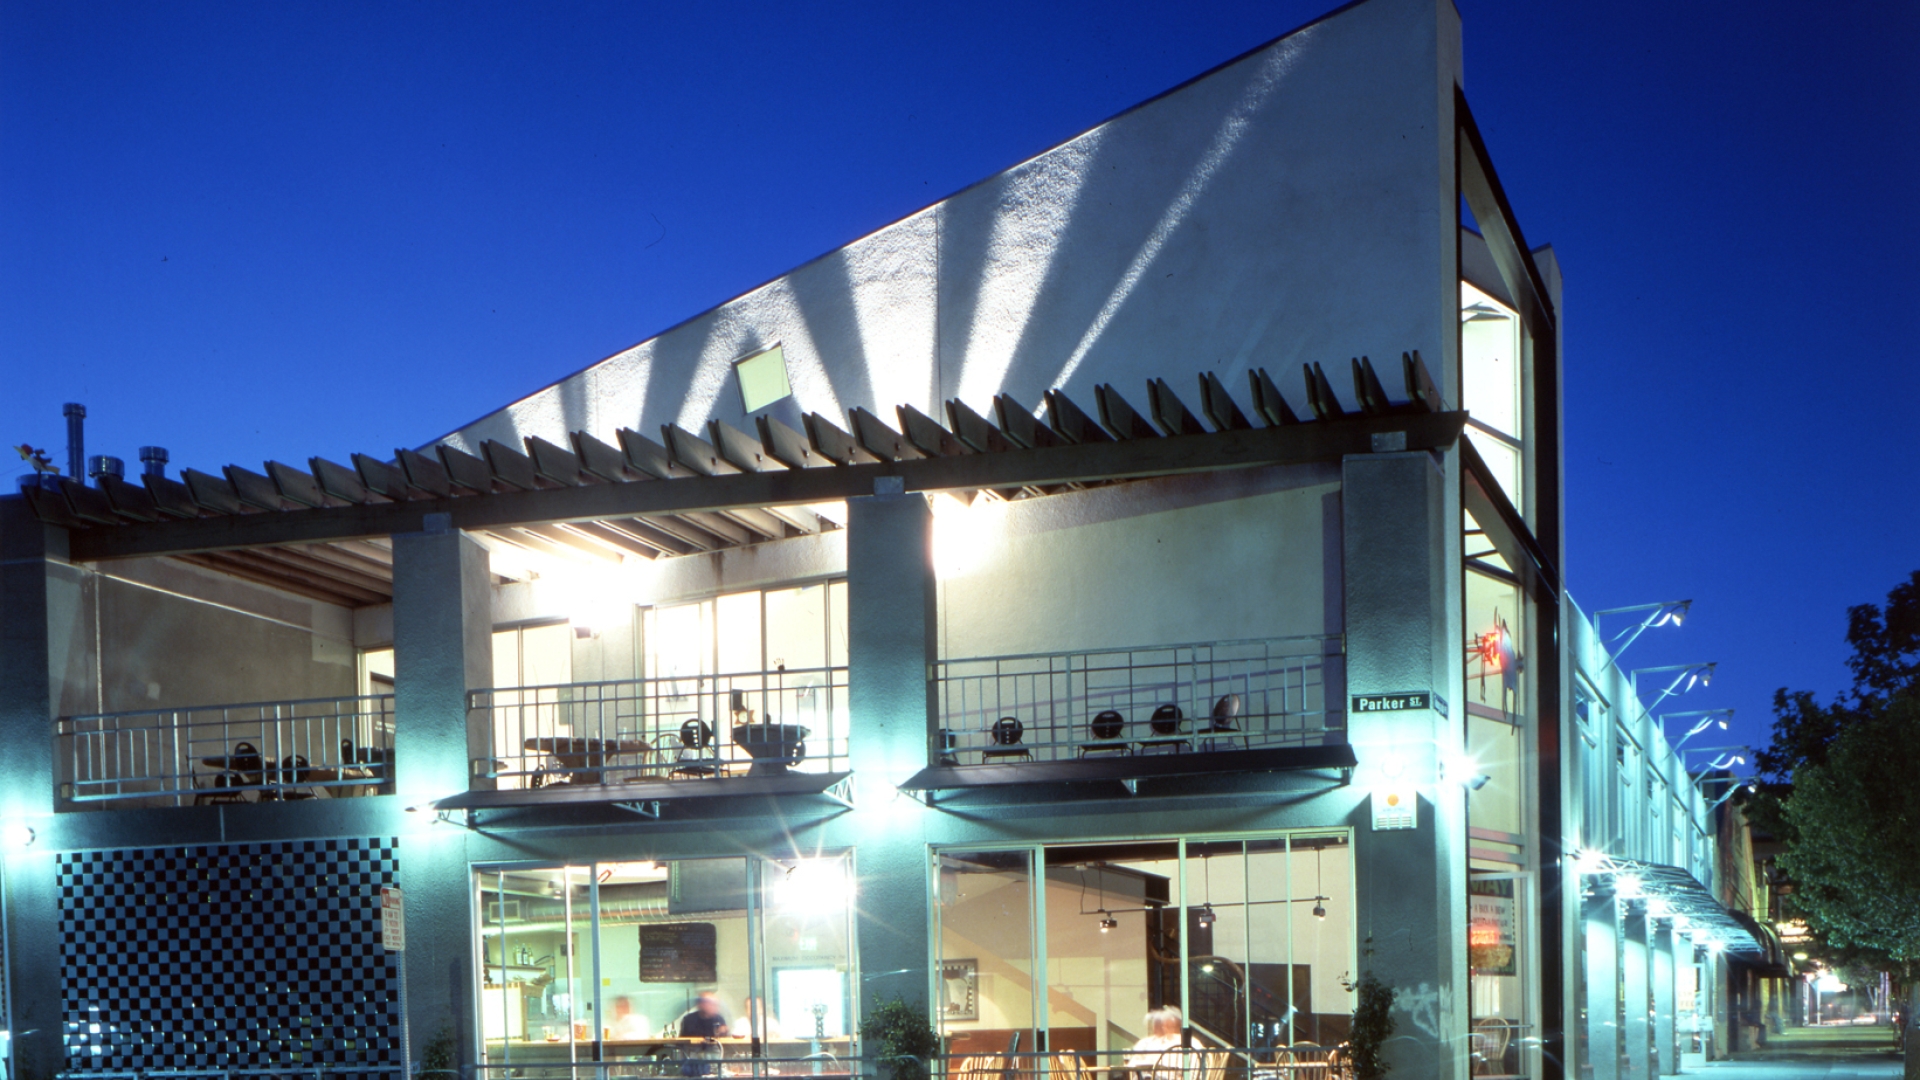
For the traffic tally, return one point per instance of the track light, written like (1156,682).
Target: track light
(1319,909)
(1107,922)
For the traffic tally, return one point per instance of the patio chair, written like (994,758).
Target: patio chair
(1006,733)
(696,758)
(1106,728)
(1165,722)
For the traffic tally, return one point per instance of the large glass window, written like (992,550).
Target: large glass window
(1246,942)
(759,678)
(1497,964)
(1496,703)
(1492,387)
(631,961)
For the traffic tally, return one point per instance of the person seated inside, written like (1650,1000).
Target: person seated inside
(1163,1034)
(625,1025)
(704,1021)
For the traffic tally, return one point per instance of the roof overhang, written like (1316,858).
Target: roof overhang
(645,792)
(1671,892)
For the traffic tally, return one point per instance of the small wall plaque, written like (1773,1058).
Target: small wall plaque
(1395,808)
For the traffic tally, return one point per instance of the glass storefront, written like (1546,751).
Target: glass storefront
(642,961)
(1067,948)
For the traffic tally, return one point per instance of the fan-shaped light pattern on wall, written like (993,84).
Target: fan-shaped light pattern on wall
(1273,70)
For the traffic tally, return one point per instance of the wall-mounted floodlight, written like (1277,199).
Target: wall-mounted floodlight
(1708,718)
(17,836)
(1666,613)
(1686,677)
(1464,770)
(1730,793)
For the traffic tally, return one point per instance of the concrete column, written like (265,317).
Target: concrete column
(1635,1031)
(442,646)
(1400,640)
(29,555)
(891,646)
(1602,942)
(1666,1052)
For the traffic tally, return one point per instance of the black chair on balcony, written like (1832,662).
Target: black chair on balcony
(1006,733)
(1165,722)
(243,770)
(1106,729)
(294,770)
(1222,731)
(696,757)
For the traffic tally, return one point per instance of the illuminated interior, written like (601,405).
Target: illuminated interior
(1492,387)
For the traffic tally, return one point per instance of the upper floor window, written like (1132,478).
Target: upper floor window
(1491,387)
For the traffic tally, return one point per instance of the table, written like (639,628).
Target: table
(773,747)
(584,758)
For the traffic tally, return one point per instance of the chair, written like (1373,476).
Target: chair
(1166,721)
(1488,1040)
(1006,733)
(1221,722)
(1340,1063)
(1106,729)
(294,770)
(1065,1065)
(696,737)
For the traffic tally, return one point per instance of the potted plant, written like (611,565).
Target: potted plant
(1372,1027)
(899,1036)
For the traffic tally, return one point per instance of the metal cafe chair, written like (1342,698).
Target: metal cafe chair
(1006,733)
(695,759)
(1106,727)
(1165,722)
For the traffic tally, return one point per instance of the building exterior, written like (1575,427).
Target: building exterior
(984,614)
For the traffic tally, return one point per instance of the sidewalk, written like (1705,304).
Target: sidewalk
(1823,1053)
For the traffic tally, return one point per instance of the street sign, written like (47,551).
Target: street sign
(393,926)
(1403,701)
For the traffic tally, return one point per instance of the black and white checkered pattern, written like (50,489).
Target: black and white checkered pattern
(237,956)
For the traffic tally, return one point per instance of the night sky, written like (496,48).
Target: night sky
(279,230)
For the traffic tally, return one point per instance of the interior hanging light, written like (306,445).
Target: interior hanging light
(1107,922)
(1205,917)
(1319,885)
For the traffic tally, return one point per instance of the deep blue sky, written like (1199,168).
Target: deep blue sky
(274,230)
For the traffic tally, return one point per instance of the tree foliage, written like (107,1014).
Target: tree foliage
(1840,787)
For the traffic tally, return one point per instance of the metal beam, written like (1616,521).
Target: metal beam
(1084,462)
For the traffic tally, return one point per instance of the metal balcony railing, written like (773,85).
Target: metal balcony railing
(1158,699)
(691,728)
(274,750)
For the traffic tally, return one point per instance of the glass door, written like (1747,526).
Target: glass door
(1501,1023)
(988,955)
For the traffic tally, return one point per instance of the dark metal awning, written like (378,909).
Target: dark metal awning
(1130,770)
(644,792)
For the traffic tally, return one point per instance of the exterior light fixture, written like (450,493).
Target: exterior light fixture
(1668,613)
(1588,862)
(1709,718)
(1627,887)
(1799,956)
(18,836)
(1686,678)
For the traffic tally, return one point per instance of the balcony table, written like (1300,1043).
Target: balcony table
(584,758)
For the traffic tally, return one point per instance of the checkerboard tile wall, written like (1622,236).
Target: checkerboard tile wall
(237,955)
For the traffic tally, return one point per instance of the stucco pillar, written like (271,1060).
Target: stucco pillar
(1599,922)
(891,646)
(29,594)
(1666,1054)
(1636,1032)
(1412,882)
(442,647)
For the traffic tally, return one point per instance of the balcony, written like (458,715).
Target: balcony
(1145,711)
(278,751)
(780,731)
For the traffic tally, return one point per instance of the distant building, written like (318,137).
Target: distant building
(1040,609)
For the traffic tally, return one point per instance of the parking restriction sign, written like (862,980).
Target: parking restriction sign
(393,927)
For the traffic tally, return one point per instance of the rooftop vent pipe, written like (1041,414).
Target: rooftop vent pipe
(76,415)
(153,460)
(100,466)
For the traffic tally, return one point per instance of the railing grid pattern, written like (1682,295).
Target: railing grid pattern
(1249,694)
(320,747)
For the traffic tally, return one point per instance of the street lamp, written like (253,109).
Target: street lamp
(1667,613)
(1687,676)
(1728,755)
(1708,718)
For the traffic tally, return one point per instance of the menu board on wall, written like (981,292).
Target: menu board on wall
(1492,927)
(678,953)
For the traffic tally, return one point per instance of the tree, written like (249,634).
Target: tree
(1840,787)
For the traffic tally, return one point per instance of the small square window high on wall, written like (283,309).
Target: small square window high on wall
(763,378)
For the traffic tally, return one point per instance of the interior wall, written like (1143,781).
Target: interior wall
(1242,554)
